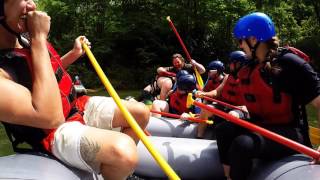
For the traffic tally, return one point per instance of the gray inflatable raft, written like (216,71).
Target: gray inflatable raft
(168,127)
(35,166)
(198,159)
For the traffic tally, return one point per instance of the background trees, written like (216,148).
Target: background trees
(131,38)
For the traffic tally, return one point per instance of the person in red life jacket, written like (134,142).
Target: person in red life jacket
(226,92)
(38,100)
(216,75)
(177,103)
(275,89)
(165,78)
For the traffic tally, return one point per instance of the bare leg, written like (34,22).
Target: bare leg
(139,111)
(226,169)
(115,153)
(160,106)
(165,85)
(204,114)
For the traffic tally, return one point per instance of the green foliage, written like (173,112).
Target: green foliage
(130,38)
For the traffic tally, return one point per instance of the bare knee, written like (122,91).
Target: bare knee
(167,85)
(142,114)
(125,152)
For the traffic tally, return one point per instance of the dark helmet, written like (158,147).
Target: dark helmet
(258,25)
(238,56)
(181,73)
(216,65)
(186,82)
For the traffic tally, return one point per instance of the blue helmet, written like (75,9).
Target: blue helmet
(181,73)
(238,56)
(186,82)
(258,25)
(216,65)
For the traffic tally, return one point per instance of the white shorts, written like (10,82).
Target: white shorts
(99,112)
(66,145)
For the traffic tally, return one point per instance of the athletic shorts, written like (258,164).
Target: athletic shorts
(99,112)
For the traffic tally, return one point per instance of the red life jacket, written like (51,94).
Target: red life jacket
(178,103)
(211,85)
(40,139)
(68,94)
(264,104)
(230,90)
(67,91)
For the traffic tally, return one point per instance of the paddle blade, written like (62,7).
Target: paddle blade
(189,100)
(314,134)
(199,79)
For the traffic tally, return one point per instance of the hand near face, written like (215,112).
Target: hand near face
(38,24)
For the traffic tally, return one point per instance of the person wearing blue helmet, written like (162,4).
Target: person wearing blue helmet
(179,74)
(274,88)
(215,75)
(178,63)
(227,91)
(177,102)
(166,78)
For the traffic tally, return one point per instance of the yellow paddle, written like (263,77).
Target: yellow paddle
(133,124)
(314,134)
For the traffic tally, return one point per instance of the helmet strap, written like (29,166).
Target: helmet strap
(253,48)
(22,41)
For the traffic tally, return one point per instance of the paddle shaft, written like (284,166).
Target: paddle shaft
(222,103)
(264,132)
(180,40)
(198,76)
(133,124)
(178,116)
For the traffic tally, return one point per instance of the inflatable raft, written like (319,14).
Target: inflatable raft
(198,158)
(38,166)
(169,127)
(190,158)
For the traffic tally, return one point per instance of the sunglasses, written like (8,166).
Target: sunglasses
(176,56)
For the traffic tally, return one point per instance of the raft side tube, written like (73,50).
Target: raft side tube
(199,159)
(190,158)
(168,127)
(289,168)
(33,166)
